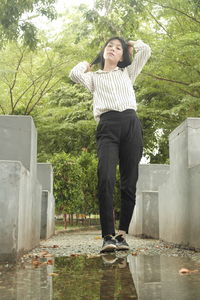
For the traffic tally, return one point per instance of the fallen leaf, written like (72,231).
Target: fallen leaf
(48,255)
(53,274)
(98,237)
(74,254)
(50,262)
(134,253)
(43,253)
(55,246)
(36,262)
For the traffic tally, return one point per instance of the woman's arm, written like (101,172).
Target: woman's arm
(143,52)
(81,74)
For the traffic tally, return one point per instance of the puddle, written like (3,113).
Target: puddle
(106,277)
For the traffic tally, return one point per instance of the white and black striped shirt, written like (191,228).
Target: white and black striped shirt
(112,90)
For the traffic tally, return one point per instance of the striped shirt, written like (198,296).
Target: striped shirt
(113,90)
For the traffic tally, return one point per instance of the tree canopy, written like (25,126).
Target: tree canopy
(16,19)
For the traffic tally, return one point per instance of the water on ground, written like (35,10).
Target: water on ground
(120,276)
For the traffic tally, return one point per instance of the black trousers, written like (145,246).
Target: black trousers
(119,140)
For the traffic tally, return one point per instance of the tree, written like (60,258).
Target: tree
(88,163)
(26,77)
(15,21)
(67,183)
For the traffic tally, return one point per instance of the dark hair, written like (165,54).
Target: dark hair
(121,64)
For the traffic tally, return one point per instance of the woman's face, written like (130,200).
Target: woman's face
(113,52)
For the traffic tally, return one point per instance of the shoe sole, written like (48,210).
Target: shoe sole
(122,248)
(108,248)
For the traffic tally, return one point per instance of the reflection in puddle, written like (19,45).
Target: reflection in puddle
(106,277)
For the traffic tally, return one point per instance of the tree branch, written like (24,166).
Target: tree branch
(165,79)
(189,93)
(34,94)
(159,23)
(2,109)
(14,82)
(34,81)
(177,10)
(42,94)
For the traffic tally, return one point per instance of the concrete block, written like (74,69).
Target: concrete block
(151,176)
(19,141)
(16,211)
(18,146)
(36,211)
(47,215)
(45,176)
(150,217)
(178,197)
(194,213)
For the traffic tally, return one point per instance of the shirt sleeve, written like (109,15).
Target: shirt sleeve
(143,52)
(78,75)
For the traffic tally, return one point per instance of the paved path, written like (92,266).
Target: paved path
(90,242)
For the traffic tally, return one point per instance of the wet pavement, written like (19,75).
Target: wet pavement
(120,276)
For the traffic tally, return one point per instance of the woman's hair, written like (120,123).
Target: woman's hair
(121,64)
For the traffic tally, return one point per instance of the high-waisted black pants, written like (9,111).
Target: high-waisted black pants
(119,140)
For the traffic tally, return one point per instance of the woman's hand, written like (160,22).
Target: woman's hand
(130,47)
(88,66)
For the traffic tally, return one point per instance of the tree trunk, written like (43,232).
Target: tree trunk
(65,220)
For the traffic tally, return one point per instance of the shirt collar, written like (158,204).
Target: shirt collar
(102,71)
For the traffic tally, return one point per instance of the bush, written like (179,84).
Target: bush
(68,183)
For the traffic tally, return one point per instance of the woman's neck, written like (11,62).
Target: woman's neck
(109,67)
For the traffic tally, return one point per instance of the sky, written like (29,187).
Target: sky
(61,5)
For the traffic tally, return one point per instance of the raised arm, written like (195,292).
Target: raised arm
(80,74)
(143,52)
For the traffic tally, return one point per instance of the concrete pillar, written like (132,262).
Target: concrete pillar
(20,190)
(45,177)
(179,196)
(150,224)
(17,231)
(18,141)
(145,221)
(194,175)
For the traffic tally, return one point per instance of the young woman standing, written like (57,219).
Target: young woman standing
(119,133)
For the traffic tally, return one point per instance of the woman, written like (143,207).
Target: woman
(119,134)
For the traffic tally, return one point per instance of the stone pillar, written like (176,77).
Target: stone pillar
(179,197)
(18,141)
(20,191)
(145,221)
(45,177)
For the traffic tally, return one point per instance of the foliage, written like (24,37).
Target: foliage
(88,163)
(26,78)
(67,183)
(15,22)
(67,123)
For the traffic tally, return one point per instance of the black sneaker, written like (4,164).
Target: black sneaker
(121,243)
(109,244)
(109,259)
